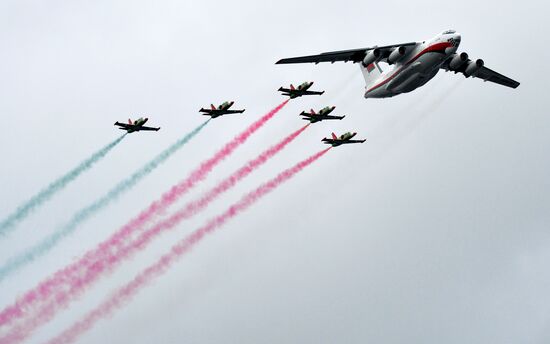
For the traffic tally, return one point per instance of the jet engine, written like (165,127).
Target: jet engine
(396,55)
(473,67)
(458,61)
(371,57)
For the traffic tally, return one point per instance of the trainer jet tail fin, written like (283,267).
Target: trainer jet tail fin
(334,137)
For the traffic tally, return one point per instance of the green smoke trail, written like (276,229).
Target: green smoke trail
(24,210)
(85,213)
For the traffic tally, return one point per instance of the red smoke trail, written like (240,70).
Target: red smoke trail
(129,290)
(111,252)
(48,288)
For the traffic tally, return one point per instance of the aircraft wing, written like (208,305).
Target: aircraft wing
(124,125)
(354,55)
(232,111)
(316,93)
(147,128)
(490,75)
(333,117)
(318,118)
(487,75)
(217,113)
(286,90)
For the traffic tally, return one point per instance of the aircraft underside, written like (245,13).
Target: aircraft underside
(407,79)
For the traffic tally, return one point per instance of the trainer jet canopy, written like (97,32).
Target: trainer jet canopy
(409,65)
(137,125)
(301,90)
(223,109)
(322,115)
(346,138)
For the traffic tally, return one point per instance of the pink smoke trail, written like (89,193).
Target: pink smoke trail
(110,252)
(129,290)
(46,289)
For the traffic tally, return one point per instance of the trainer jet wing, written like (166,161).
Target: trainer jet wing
(137,125)
(223,109)
(301,90)
(322,115)
(460,63)
(354,55)
(346,138)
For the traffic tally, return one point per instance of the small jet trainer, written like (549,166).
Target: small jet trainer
(302,90)
(411,65)
(323,114)
(221,110)
(137,125)
(346,138)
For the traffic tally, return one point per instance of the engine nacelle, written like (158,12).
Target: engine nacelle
(371,57)
(397,54)
(473,67)
(458,61)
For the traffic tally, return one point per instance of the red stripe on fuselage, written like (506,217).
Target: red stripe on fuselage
(434,48)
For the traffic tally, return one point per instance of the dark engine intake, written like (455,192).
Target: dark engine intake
(371,57)
(396,55)
(458,61)
(473,67)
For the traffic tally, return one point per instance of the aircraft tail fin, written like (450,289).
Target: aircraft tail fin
(334,137)
(371,73)
(212,107)
(130,121)
(311,111)
(292,87)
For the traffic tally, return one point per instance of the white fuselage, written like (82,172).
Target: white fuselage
(419,65)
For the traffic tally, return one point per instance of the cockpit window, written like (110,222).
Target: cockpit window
(448,32)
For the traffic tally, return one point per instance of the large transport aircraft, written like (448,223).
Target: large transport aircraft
(221,110)
(322,115)
(301,90)
(411,64)
(137,125)
(346,138)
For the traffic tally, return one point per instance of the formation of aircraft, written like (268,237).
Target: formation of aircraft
(411,65)
(322,115)
(137,125)
(343,139)
(223,109)
(301,90)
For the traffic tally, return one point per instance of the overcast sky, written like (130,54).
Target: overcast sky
(434,231)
